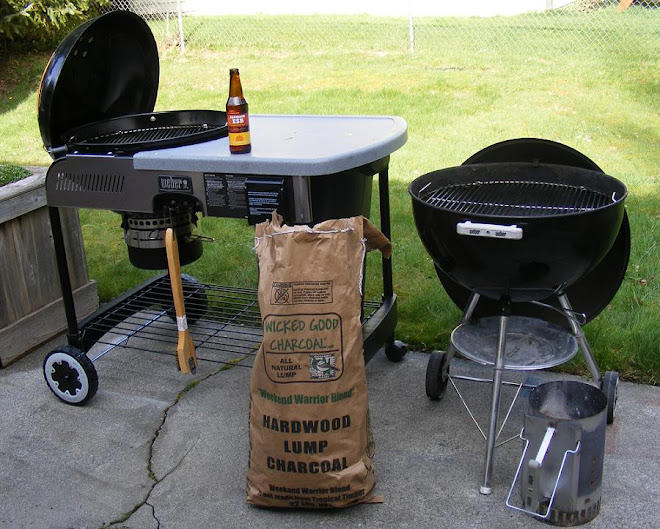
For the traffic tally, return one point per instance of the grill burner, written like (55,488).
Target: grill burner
(514,198)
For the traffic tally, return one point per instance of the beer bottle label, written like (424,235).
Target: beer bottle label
(238,124)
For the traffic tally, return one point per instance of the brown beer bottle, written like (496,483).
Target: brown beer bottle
(238,121)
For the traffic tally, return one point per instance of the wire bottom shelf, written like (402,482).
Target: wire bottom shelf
(224,322)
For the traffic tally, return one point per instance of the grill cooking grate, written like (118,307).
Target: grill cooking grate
(149,135)
(514,198)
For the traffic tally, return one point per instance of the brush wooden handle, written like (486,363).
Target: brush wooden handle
(185,349)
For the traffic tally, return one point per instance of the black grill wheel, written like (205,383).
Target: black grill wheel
(437,375)
(70,375)
(609,385)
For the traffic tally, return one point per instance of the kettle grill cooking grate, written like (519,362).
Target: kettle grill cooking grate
(148,135)
(514,198)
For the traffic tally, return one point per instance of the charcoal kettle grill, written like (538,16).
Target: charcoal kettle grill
(162,170)
(513,233)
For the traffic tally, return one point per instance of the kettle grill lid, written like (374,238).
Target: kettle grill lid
(591,294)
(105,68)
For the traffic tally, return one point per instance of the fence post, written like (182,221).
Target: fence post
(182,42)
(411,34)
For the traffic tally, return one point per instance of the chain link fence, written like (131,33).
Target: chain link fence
(562,26)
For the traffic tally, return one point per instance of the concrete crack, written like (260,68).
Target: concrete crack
(153,514)
(152,476)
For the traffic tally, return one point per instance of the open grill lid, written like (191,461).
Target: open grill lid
(105,68)
(99,89)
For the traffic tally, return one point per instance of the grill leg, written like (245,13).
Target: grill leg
(469,308)
(73,333)
(495,402)
(467,316)
(581,339)
(384,199)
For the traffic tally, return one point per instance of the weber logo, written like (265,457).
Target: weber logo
(181,184)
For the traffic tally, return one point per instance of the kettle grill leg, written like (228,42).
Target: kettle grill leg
(498,369)
(581,339)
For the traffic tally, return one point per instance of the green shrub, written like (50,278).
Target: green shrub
(39,24)
(12,173)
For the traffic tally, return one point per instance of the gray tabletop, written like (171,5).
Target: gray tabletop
(289,145)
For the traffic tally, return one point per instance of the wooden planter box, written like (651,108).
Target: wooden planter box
(31,308)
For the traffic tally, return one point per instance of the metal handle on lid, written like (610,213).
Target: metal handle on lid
(495,231)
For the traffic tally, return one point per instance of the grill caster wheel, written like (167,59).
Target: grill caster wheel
(610,386)
(396,351)
(194,298)
(437,375)
(71,375)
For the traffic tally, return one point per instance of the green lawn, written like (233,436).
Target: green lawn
(457,98)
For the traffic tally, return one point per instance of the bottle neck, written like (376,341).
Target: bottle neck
(235,88)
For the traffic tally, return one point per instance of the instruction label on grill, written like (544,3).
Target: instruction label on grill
(263,197)
(225,195)
(301,293)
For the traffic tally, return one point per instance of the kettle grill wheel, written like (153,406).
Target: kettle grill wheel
(70,375)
